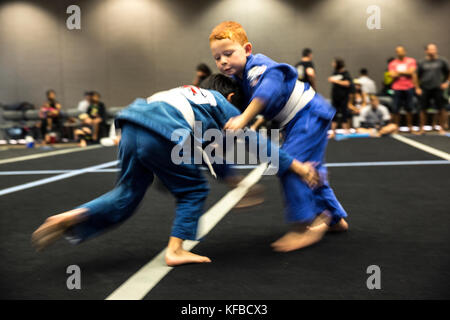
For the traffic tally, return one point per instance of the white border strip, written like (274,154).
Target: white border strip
(49,154)
(56,178)
(423,147)
(145,279)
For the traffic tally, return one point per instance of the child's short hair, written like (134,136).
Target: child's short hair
(225,85)
(229,30)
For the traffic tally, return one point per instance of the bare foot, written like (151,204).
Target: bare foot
(341,226)
(181,256)
(288,238)
(442,132)
(298,240)
(54,227)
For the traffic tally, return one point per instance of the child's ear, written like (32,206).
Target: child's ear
(248,49)
(229,96)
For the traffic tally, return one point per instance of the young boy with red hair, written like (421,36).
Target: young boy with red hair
(272,89)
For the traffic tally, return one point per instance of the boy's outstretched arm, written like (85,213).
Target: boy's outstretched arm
(268,92)
(254,108)
(305,170)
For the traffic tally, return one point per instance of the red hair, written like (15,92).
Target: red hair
(229,30)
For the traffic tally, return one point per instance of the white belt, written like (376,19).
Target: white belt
(297,101)
(180,103)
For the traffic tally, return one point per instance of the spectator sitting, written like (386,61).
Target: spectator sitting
(202,72)
(84,133)
(375,119)
(95,116)
(50,118)
(367,84)
(357,100)
(83,105)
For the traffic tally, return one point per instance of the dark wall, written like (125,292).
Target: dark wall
(131,48)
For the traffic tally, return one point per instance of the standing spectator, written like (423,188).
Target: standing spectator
(368,85)
(403,69)
(50,116)
(340,91)
(305,68)
(83,105)
(433,79)
(97,115)
(202,72)
(375,119)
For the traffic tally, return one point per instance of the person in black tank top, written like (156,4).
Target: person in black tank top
(305,68)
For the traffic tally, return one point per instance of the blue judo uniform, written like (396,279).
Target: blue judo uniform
(305,118)
(145,150)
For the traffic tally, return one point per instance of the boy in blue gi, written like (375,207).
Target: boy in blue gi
(146,150)
(272,89)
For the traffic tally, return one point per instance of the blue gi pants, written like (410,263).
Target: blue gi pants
(142,154)
(306,140)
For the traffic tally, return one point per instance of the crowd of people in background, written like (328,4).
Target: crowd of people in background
(88,127)
(415,87)
(412,85)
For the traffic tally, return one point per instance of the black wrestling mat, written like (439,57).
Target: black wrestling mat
(398,218)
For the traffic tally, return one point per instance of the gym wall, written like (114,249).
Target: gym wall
(132,48)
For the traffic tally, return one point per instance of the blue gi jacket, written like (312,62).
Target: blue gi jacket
(209,107)
(271,81)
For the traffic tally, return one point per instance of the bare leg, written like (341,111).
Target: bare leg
(333,128)
(422,117)
(443,121)
(96,125)
(346,126)
(409,122)
(372,132)
(388,129)
(176,255)
(396,119)
(434,121)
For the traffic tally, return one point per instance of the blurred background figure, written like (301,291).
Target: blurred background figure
(375,119)
(357,100)
(368,85)
(83,105)
(96,115)
(340,92)
(387,80)
(433,79)
(305,68)
(402,70)
(49,113)
(202,72)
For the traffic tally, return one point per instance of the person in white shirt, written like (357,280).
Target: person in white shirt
(83,105)
(367,84)
(375,119)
